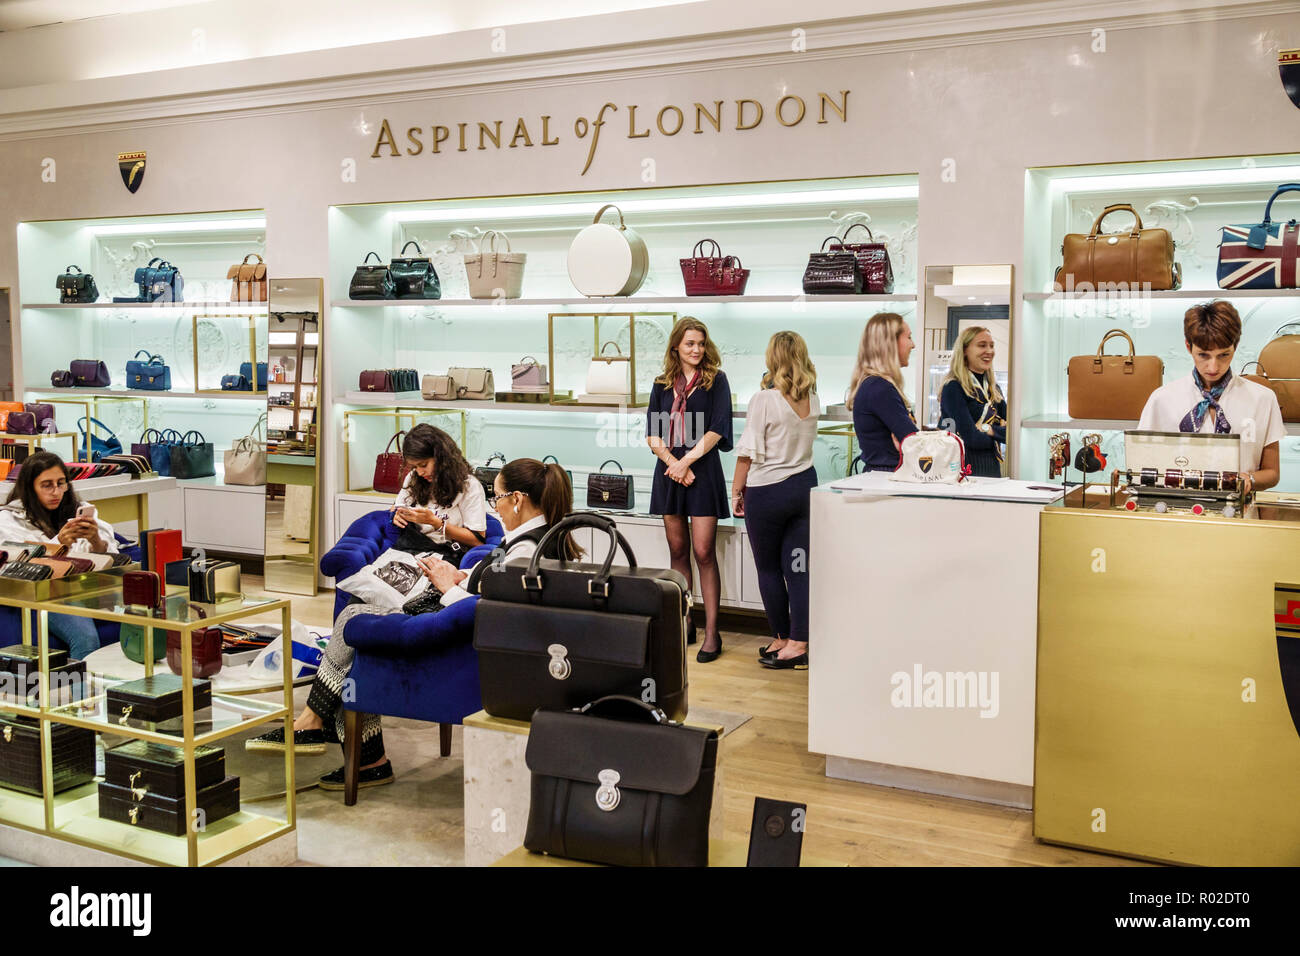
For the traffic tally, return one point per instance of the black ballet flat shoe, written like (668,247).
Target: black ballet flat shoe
(707,657)
(799,663)
(767,651)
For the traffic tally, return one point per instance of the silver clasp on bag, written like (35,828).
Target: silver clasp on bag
(607,795)
(559,668)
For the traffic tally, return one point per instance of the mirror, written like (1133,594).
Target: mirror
(958,298)
(6,350)
(293,397)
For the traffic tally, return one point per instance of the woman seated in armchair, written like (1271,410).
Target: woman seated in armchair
(529,497)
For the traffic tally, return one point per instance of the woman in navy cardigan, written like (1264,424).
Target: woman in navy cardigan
(971,404)
(882,417)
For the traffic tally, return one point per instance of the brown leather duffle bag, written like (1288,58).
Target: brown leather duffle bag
(1114,387)
(1139,260)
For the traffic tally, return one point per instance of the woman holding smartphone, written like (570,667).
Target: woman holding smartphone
(441,507)
(42,507)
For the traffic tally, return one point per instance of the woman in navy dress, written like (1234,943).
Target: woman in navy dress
(973,405)
(881,415)
(688,424)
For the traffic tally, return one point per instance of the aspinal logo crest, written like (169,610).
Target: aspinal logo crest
(131,166)
(1288,64)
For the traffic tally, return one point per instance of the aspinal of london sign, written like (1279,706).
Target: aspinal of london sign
(714,118)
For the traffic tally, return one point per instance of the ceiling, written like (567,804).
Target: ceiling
(25,14)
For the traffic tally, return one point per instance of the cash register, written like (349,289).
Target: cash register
(1180,473)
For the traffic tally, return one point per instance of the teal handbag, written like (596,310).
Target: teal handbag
(414,277)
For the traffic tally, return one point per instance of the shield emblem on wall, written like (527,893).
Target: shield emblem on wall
(926,462)
(1288,64)
(131,165)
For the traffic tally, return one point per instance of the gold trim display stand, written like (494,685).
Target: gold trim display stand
(842,430)
(635,398)
(252,351)
(31,441)
(397,413)
(93,402)
(82,714)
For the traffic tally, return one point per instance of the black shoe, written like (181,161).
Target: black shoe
(305,742)
(799,663)
(767,651)
(373,777)
(690,630)
(707,657)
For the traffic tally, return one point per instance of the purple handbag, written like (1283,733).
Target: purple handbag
(21,423)
(90,373)
(527,374)
(44,412)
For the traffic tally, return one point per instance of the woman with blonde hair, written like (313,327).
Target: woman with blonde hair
(774,476)
(971,404)
(688,424)
(882,417)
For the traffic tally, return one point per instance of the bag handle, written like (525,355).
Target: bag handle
(1128,361)
(598,587)
(168,432)
(145,440)
(613,703)
(608,461)
(608,344)
(253,255)
(393,439)
(69,269)
(1284,188)
(1262,373)
(97,423)
(858,225)
(527,360)
(185,439)
(494,233)
(551,458)
(732,262)
(595,220)
(366,260)
(149,264)
(494,457)
(411,242)
(695,253)
(1117,207)
(829,239)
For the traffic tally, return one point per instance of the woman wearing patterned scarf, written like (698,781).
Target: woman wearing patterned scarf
(1214,400)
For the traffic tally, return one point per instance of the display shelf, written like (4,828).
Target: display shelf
(626,301)
(1194,294)
(222,305)
(1104,425)
(227,715)
(148,395)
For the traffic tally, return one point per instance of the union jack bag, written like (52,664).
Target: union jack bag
(1262,256)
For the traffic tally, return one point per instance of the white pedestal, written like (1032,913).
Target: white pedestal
(497,783)
(42,850)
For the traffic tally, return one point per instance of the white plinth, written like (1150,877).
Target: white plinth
(42,850)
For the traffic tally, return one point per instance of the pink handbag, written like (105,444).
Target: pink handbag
(527,375)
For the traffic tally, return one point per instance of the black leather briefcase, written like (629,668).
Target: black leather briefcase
(617,782)
(560,634)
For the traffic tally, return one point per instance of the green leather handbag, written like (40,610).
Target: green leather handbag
(414,277)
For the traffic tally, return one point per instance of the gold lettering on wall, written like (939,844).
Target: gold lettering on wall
(631,125)
(740,114)
(659,120)
(413,134)
(493,134)
(842,109)
(461,147)
(546,130)
(520,131)
(440,134)
(714,118)
(780,110)
(385,138)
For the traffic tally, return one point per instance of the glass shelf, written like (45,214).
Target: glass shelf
(107,605)
(226,715)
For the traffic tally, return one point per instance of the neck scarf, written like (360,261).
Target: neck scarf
(677,420)
(1209,399)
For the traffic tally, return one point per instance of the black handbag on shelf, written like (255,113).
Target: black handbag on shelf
(76,287)
(617,782)
(487,475)
(414,277)
(158,281)
(192,459)
(614,492)
(372,282)
(832,273)
(559,634)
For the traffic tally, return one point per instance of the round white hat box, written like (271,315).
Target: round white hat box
(605,260)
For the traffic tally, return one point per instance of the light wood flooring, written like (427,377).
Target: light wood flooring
(851,823)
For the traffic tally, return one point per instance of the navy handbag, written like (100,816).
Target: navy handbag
(99,447)
(151,375)
(246,370)
(235,383)
(160,281)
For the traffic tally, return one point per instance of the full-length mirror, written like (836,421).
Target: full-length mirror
(293,389)
(967,359)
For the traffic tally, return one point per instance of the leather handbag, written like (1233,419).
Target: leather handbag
(19,423)
(90,373)
(155,447)
(235,383)
(1288,395)
(5,409)
(713,274)
(205,651)
(437,388)
(528,376)
(390,467)
(832,273)
(212,581)
(152,375)
(610,375)
(1112,386)
(99,447)
(617,782)
(244,463)
(76,287)
(62,379)
(1139,259)
(476,384)
(606,261)
(494,274)
(248,280)
(1265,255)
(44,414)
(246,370)
(376,380)
(372,282)
(414,277)
(1279,367)
(159,281)
(192,459)
(608,491)
(487,475)
(562,633)
(873,261)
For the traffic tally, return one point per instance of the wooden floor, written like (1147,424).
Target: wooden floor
(852,823)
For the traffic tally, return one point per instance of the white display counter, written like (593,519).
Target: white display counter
(923,631)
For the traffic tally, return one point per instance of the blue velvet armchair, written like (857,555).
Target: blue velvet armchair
(424,666)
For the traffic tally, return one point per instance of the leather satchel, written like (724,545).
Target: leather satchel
(1288,395)
(1112,387)
(832,273)
(1279,367)
(192,458)
(713,274)
(151,375)
(528,376)
(372,282)
(43,412)
(62,379)
(1264,255)
(873,261)
(494,274)
(159,281)
(205,651)
(90,373)
(248,280)
(561,633)
(610,375)
(487,475)
(5,409)
(608,491)
(245,461)
(617,782)
(390,467)
(414,277)
(476,384)
(235,383)
(19,423)
(376,380)
(155,447)
(437,388)
(1140,259)
(76,287)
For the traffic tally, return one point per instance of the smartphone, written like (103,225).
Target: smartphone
(85,510)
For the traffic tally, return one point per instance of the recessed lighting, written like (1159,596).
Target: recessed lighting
(988,303)
(971,298)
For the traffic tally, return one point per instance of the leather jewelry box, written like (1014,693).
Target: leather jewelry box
(155,698)
(72,750)
(20,664)
(160,770)
(163,814)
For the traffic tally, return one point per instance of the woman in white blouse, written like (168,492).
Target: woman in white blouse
(441,507)
(770,489)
